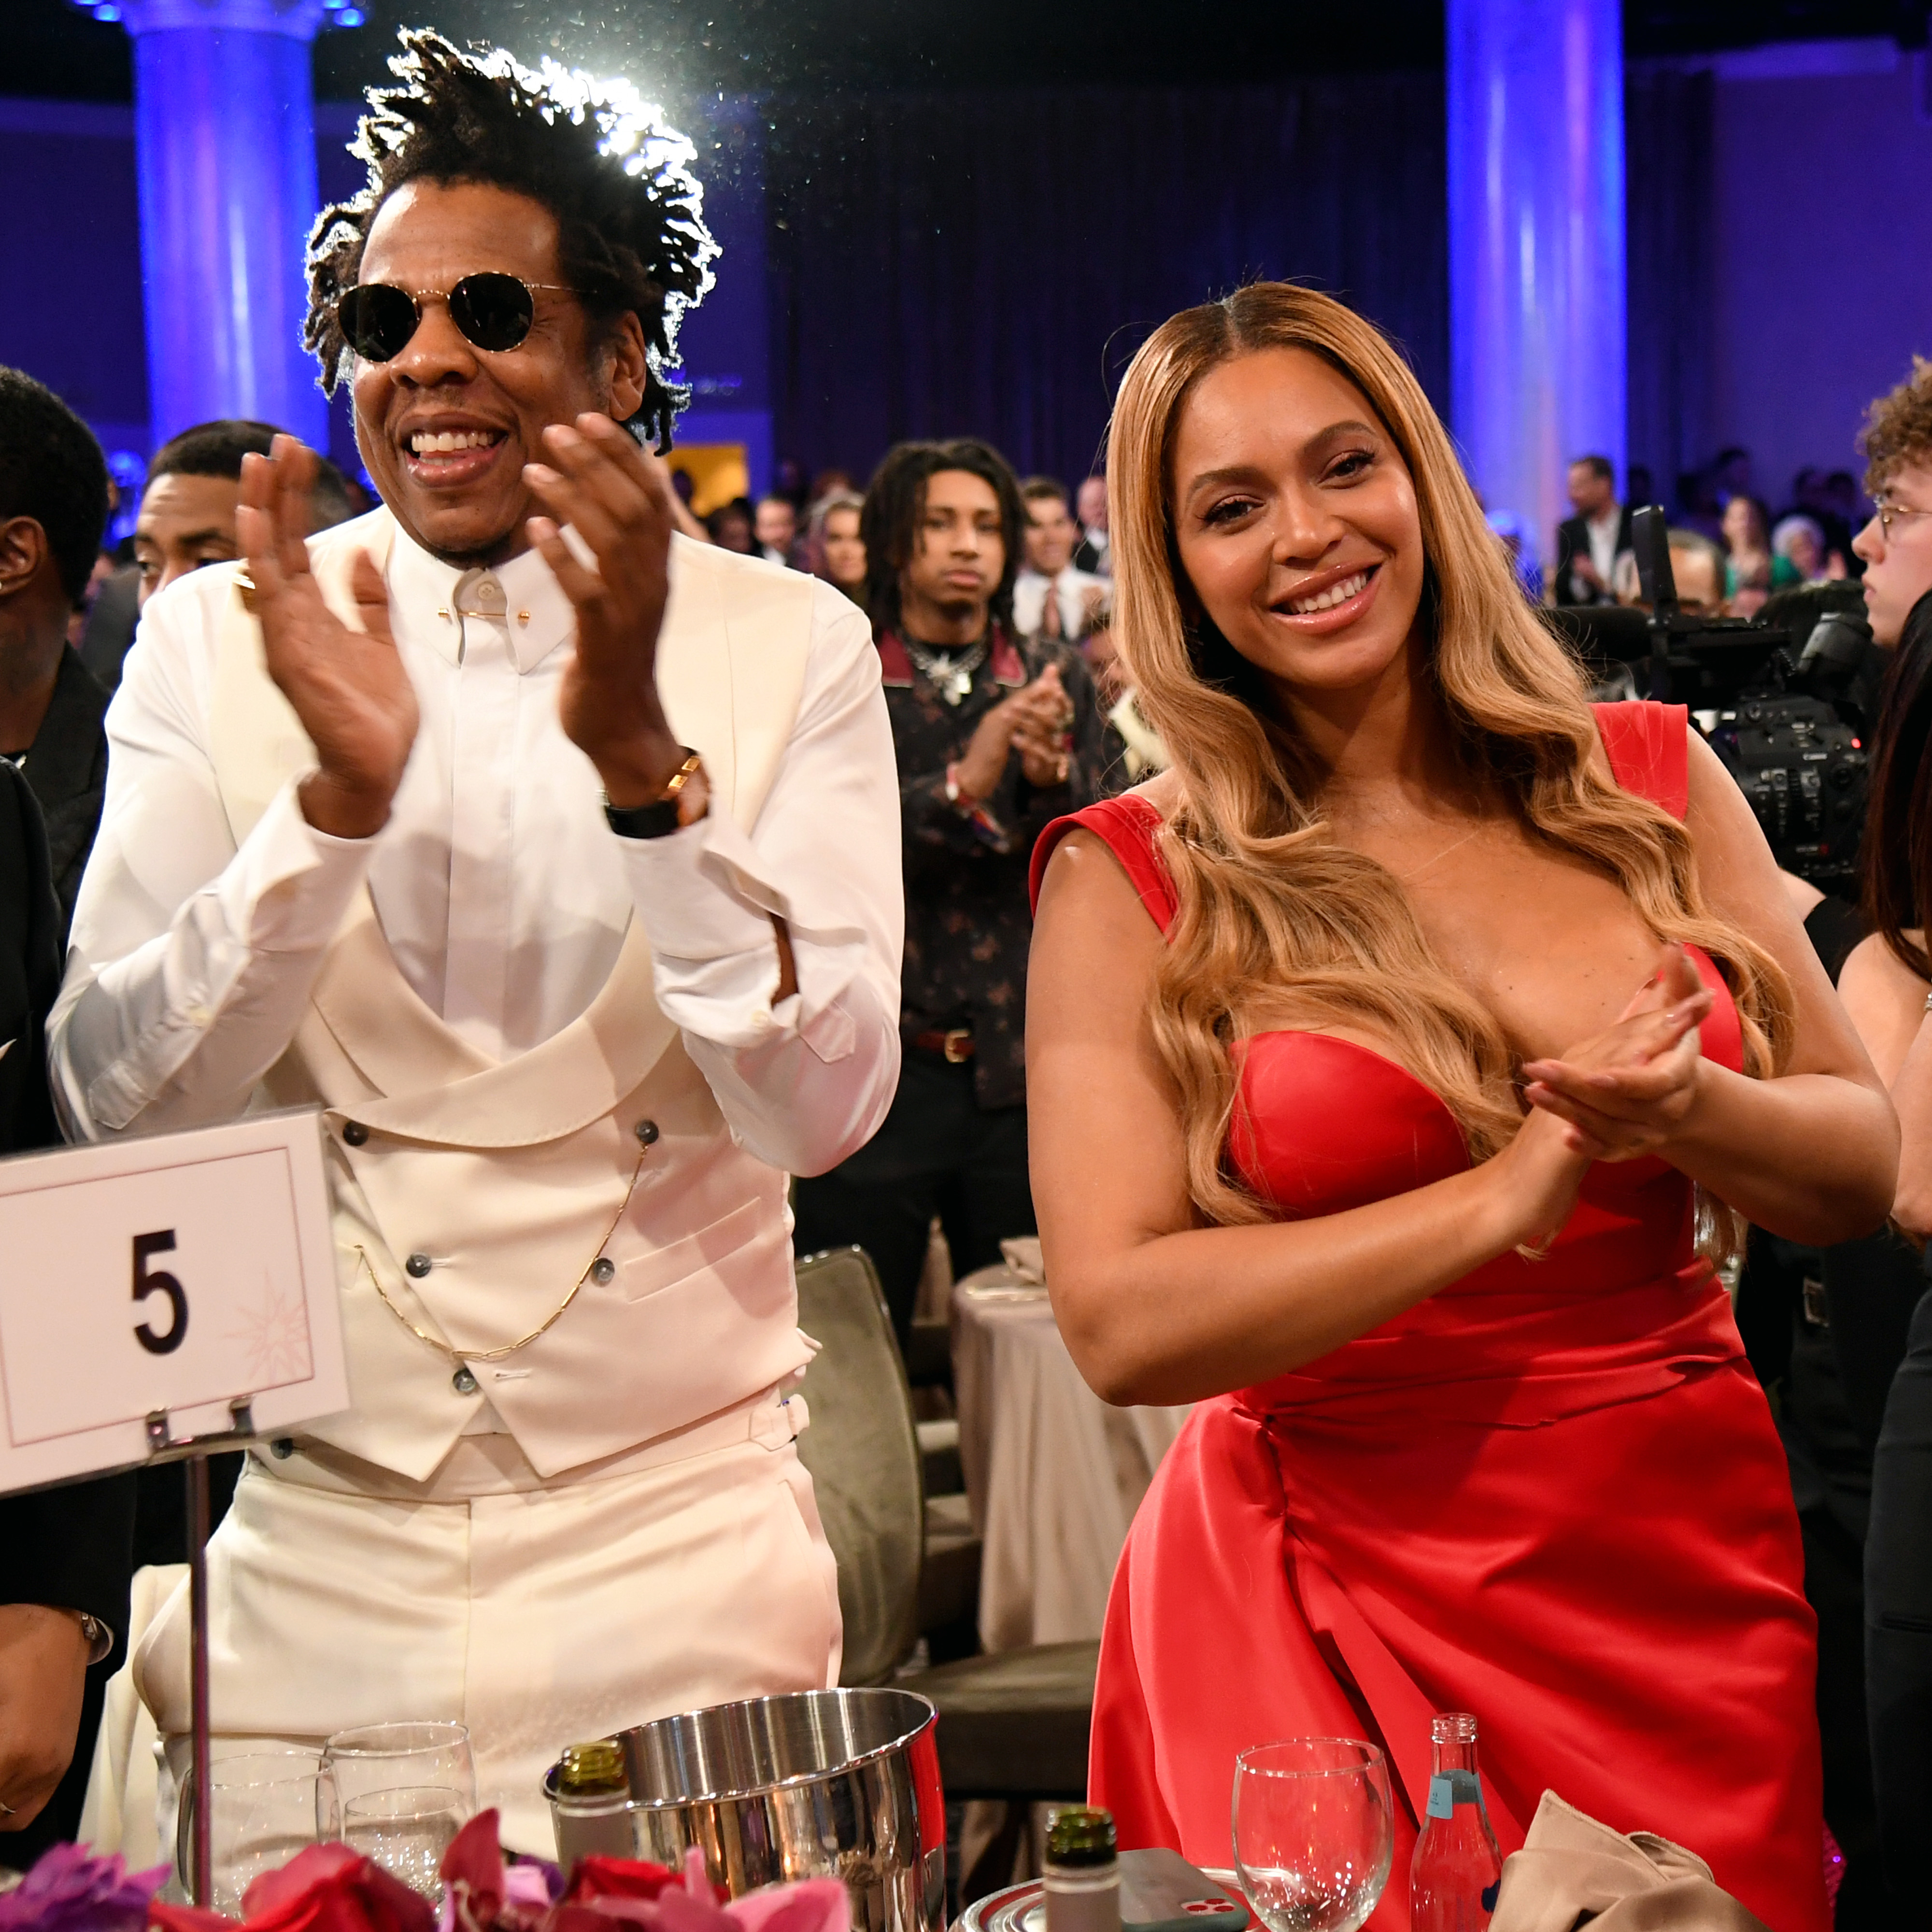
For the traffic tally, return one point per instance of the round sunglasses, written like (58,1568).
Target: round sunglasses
(494,311)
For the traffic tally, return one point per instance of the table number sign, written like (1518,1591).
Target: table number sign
(158,1289)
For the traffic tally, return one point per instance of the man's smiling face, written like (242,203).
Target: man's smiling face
(445,427)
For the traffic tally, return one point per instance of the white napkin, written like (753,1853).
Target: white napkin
(1022,1258)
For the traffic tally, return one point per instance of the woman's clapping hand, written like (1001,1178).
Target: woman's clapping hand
(1630,1089)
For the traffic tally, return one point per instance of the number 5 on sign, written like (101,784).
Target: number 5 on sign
(173,1277)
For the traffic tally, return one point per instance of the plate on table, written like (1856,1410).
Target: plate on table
(1160,1891)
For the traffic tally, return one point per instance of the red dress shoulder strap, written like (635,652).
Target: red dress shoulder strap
(1649,749)
(1128,824)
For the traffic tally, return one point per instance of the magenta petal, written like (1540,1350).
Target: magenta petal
(811,1905)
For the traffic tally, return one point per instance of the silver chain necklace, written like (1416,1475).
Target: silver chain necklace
(951,676)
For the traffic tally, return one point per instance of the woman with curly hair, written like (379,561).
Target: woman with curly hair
(1400,1058)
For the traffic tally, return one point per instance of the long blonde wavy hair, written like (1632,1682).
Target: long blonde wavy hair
(1277,924)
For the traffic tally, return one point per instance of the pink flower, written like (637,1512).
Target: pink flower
(605,1893)
(324,1888)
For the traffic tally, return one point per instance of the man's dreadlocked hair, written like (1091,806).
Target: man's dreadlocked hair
(889,526)
(631,231)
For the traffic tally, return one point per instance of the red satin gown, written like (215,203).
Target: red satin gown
(1551,1494)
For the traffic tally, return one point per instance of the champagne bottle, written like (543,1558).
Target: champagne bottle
(1457,1870)
(1082,1872)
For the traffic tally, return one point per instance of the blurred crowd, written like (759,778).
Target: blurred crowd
(1729,551)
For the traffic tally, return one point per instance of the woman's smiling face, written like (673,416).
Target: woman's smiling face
(1296,520)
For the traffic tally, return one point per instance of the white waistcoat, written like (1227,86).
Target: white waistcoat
(508,1177)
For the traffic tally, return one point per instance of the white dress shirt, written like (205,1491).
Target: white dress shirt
(1603,533)
(1070,587)
(502,893)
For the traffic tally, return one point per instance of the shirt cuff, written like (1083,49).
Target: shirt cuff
(702,892)
(287,888)
(707,905)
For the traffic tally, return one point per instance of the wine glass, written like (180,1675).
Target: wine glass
(405,1832)
(261,1812)
(1314,1835)
(390,1757)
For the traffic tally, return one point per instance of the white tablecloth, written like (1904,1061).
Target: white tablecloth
(1053,1475)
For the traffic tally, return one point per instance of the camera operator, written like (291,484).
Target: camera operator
(1874,1291)
(1877,1295)
(1896,545)
(1885,979)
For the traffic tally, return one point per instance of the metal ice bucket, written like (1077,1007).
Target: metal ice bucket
(814,1784)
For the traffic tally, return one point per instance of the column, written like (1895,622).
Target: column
(1536,246)
(224,129)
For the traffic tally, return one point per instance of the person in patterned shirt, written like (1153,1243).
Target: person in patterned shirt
(995,737)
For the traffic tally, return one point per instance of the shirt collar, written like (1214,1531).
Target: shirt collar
(428,597)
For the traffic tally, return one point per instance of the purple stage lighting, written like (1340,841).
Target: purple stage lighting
(1536,246)
(224,122)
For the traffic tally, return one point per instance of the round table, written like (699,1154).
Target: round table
(1053,1475)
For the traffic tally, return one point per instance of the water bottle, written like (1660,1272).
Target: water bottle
(1457,1870)
(1082,1871)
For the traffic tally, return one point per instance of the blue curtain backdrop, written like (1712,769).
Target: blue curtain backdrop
(987,263)
(1670,225)
(944,264)
(964,262)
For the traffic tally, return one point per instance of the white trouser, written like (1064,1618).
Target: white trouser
(539,1618)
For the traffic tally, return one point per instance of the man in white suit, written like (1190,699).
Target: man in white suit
(556,857)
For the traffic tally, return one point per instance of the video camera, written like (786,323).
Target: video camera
(1787,699)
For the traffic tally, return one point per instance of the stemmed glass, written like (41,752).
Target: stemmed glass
(262,1812)
(1314,1835)
(405,1830)
(372,1758)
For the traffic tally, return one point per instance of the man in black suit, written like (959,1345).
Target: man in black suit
(53,508)
(1588,543)
(1094,552)
(65,1554)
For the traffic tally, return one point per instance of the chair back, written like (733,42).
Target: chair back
(863,1451)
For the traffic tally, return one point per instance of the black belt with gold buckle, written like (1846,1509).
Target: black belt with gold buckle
(954,1046)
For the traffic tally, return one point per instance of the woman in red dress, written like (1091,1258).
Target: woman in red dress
(1398,1060)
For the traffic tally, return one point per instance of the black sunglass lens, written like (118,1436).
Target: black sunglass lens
(377,321)
(494,311)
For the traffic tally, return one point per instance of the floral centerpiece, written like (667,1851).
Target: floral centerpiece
(335,1888)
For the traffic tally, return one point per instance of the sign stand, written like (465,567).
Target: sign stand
(199,1797)
(147,1279)
(202,1860)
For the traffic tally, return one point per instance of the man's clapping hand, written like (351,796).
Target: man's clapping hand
(1032,722)
(348,687)
(1039,735)
(618,499)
